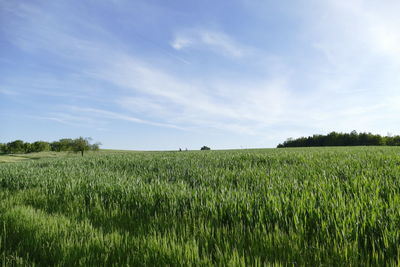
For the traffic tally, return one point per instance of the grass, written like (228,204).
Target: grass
(11,158)
(277,207)
(8,158)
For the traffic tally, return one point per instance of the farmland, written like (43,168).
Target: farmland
(299,206)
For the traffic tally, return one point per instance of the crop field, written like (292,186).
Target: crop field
(274,207)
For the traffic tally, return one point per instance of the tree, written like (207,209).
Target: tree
(342,139)
(3,148)
(39,146)
(205,148)
(16,146)
(81,144)
(95,146)
(65,144)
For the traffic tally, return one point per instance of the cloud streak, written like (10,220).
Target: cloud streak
(92,112)
(215,41)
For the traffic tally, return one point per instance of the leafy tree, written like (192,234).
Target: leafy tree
(65,144)
(205,148)
(342,139)
(3,148)
(27,147)
(55,146)
(17,146)
(39,146)
(81,144)
(95,146)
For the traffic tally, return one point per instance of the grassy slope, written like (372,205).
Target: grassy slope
(8,158)
(330,206)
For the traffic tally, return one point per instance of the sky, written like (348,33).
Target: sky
(164,75)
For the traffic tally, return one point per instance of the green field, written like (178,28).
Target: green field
(316,206)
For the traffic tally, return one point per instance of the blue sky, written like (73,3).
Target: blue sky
(155,75)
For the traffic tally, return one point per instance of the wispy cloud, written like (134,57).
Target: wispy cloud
(68,119)
(215,41)
(99,113)
(182,101)
(181,42)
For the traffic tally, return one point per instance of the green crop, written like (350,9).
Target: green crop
(276,207)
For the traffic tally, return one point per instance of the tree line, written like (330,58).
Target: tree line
(343,139)
(66,144)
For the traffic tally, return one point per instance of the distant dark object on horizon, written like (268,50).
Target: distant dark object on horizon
(342,139)
(205,148)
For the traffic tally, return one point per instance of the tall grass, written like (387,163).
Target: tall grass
(320,206)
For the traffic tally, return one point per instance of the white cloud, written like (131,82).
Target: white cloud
(183,102)
(180,43)
(222,42)
(358,29)
(99,113)
(215,41)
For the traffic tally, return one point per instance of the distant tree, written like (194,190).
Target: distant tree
(95,146)
(205,148)
(3,148)
(65,144)
(17,146)
(27,147)
(342,139)
(55,146)
(81,144)
(395,140)
(39,146)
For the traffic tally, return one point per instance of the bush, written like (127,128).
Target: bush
(205,148)
(3,148)
(17,146)
(39,146)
